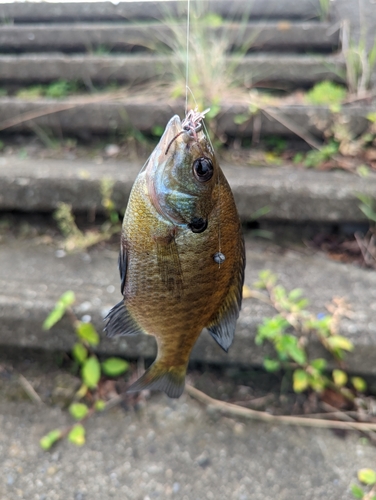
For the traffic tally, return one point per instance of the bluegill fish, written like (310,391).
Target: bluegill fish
(181,256)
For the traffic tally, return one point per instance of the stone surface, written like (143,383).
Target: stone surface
(298,69)
(131,10)
(33,275)
(290,193)
(174,449)
(307,36)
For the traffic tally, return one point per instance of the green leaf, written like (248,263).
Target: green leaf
(368,212)
(271,365)
(301,304)
(91,372)
(359,384)
(319,364)
(300,380)
(55,315)
(295,294)
(339,377)
(267,278)
(100,405)
(317,382)
(289,344)
(253,108)
(363,171)
(372,56)
(271,329)
(367,476)
(371,117)
(78,410)
(240,119)
(260,212)
(114,366)
(87,332)
(82,391)
(49,439)
(77,435)
(357,491)
(66,300)
(79,352)
(339,342)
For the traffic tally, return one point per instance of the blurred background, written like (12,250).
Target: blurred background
(86,90)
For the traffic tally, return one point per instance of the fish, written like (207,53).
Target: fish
(182,255)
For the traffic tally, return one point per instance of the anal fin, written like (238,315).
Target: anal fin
(120,322)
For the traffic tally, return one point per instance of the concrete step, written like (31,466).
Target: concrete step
(295,69)
(150,10)
(33,276)
(281,36)
(98,115)
(291,194)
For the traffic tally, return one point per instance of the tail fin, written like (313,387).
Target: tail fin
(170,379)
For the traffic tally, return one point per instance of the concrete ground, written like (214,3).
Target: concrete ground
(174,449)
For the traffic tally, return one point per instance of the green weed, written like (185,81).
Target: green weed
(289,332)
(74,238)
(324,10)
(101,50)
(90,369)
(316,157)
(210,72)
(360,61)
(60,89)
(367,243)
(54,90)
(326,92)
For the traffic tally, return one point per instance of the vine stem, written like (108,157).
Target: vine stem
(238,411)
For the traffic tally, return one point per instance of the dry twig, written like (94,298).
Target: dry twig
(29,389)
(237,411)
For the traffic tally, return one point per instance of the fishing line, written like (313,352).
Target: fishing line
(219,257)
(187,59)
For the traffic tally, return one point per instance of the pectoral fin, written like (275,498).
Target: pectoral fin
(120,322)
(222,327)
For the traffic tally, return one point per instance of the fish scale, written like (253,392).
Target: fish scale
(180,214)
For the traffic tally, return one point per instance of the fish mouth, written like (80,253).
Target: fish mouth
(188,129)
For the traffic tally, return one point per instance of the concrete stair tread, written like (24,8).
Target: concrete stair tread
(307,36)
(107,114)
(290,193)
(151,10)
(46,67)
(32,278)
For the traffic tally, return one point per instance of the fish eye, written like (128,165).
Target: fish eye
(203,169)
